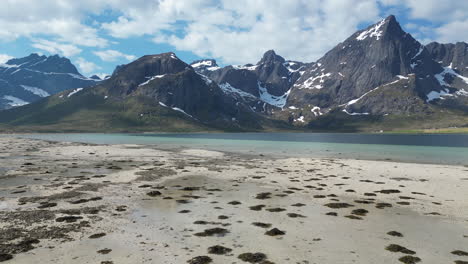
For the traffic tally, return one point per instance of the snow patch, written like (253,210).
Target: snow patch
(354,114)
(401,77)
(182,111)
(249,68)
(317,111)
(207,80)
(373,32)
(206,63)
(421,48)
(446,92)
(300,119)
(462,92)
(362,96)
(151,79)
(74,92)
(35,90)
(278,101)
(309,83)
(448,70)
(437,95)
(14,101)
(229,89)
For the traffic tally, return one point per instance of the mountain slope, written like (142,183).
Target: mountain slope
(370,58)
(380,78)
(158,92)
(31,78)
(453,55)
(263,86)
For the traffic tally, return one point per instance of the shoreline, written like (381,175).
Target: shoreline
(327,208)
(325,153)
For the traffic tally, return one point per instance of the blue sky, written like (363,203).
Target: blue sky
(97,35)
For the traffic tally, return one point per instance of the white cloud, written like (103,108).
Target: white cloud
(4,58)
(449,18)
(86,66)
(240,31)
(452,31)
(436,10)
(59,19)
(53,47)
(113,55)
(234,31)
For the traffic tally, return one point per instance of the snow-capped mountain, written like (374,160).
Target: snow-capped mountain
(262,86)
(204,66)
(366,64)
(450,55)
(379,73)
(28,79)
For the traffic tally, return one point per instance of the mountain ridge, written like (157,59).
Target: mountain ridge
(28,79)
(378,78)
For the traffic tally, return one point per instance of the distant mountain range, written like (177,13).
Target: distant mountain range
(380,78)
(31,78)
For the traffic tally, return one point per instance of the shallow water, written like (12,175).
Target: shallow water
(435,149)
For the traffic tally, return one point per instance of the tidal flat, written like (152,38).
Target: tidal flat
(64,202)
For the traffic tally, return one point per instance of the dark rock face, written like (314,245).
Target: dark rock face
(127,78)
(28,79)
(273,72)
(170,83)
(378,71)
(453,55)
(262,86)
(454,78)
(368,59)
(243,79)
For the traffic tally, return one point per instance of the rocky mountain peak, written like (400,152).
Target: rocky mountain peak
(271,57)
(450,55)
(53,64)
(205,65)
(386,28)
(126,78)
(28,79)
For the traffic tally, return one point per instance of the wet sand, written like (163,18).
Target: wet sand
(82,203)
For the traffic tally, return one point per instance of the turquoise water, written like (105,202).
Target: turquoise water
(435,149)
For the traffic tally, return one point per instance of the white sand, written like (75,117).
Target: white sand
(152,230)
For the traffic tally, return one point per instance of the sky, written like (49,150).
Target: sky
(97,35)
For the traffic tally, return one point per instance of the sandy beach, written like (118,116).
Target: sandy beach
(83,203)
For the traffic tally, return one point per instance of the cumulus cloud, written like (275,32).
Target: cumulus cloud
(86,66)
(4,58)
(450,32)
(449,18)
(53,47)
(113,55)
(233,31)
(59,19)
(240,31)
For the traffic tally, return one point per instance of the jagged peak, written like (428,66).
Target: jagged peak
(95,77)
(271,56)
(204,63)
(378,30)
(151,65)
